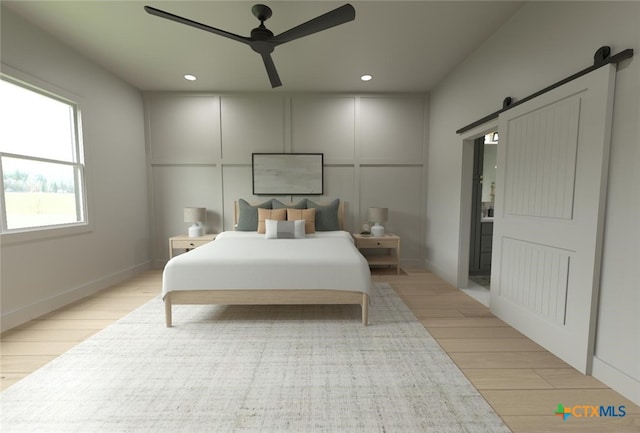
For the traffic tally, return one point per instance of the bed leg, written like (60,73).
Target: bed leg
(167,310)
(365,309)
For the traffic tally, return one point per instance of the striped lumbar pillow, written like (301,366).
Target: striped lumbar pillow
(276,229)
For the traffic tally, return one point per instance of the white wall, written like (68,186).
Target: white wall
(543,43)
(200,149)
(42,275)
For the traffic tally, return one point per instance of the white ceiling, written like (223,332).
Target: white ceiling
(406,46)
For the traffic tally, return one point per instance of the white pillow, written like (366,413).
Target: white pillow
(277,229)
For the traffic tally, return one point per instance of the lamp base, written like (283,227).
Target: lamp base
(195,231)
(377,230)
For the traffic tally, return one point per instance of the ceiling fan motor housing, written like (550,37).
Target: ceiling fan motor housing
(261,33)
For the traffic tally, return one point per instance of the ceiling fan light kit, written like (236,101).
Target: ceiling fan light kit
(262,40)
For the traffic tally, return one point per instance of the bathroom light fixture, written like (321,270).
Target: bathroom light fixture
(190,77)
(491,138)
(366,77)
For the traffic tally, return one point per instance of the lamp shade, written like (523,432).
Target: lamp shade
(378,214)
(195,214)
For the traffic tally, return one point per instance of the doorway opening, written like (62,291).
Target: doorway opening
(481,208)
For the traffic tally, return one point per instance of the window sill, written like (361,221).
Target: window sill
(42,234)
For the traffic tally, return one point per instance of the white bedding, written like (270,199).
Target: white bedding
(246,260)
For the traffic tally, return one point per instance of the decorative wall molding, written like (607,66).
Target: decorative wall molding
(200,146)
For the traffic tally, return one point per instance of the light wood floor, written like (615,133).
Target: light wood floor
(521,381)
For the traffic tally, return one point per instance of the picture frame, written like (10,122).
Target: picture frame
(287,173)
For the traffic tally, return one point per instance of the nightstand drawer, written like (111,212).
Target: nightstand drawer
(377,243)
(188,244)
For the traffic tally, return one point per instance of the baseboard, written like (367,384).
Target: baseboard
(449,278)
(159,263)
(410,263)
(25,314)
(618,381)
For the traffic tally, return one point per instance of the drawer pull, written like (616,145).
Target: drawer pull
(191,244)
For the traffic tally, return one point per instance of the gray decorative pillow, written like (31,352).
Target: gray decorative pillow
(277,229)
(277,204)
(326,216)
(248,215)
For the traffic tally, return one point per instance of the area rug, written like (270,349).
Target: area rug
(273,369)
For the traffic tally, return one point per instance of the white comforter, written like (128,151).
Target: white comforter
(246,260)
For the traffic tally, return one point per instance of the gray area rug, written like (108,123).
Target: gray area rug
(253,369)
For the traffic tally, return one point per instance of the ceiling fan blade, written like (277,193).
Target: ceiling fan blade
(181,20)
(271,70)
(333,18)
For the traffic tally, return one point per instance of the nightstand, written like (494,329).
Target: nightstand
(187,243)
(390,242)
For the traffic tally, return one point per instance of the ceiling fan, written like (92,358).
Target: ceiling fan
(262,40)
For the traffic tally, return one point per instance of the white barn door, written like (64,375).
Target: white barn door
(551,178)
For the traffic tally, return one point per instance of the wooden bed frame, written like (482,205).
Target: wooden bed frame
(268,297)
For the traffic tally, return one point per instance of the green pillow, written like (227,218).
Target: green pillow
(326,216)
(277,204)
(248,218)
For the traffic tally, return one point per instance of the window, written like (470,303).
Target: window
(41,160)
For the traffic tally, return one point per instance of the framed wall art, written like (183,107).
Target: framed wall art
(287,173)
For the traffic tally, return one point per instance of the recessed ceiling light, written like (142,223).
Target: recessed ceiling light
(190,77)
(366,77)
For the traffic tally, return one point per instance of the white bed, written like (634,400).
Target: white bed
(241,268)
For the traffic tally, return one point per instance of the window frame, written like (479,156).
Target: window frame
(82,194)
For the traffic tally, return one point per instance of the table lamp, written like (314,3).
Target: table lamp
(377,215)
(195,215)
